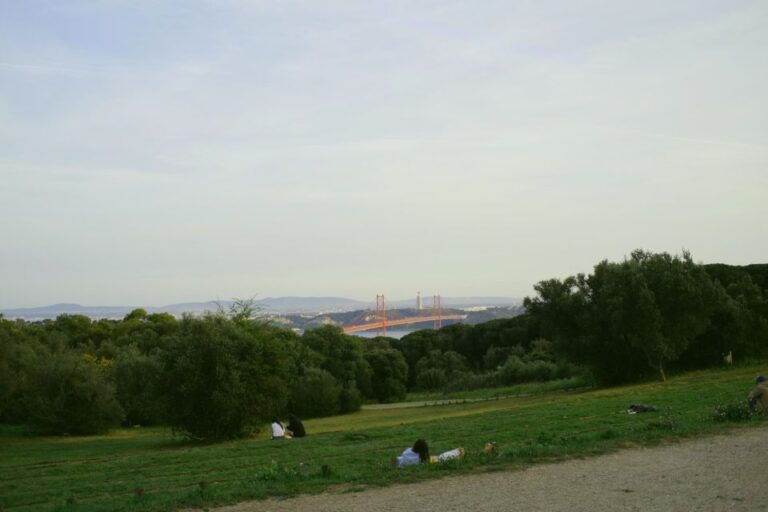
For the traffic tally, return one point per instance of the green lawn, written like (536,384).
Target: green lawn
(532,388)
(146,469)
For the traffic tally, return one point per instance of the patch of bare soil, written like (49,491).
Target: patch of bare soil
(726,472)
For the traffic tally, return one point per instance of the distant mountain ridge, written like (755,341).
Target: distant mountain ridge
(297,305)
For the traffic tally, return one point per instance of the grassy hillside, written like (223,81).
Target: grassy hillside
(145,469)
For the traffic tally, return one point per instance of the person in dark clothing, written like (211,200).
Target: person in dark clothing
(296,426)
(758,397)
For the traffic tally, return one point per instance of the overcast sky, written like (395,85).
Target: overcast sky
(154,152)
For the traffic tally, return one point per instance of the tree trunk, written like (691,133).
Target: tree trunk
(661,371)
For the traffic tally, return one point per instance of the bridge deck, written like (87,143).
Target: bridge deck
(401,321)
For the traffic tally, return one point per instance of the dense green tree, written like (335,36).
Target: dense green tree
(76,330)
(390,374)
(137,382)
(415,346)
(642,313)
(20,353)
(561,310)
(624,333)
(435,370)
(342,356)
(223,377)
(316,393)
(70,394)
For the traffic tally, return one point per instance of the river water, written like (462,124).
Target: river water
(391,333)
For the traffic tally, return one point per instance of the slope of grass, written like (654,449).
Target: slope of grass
(146,469)
(531,388)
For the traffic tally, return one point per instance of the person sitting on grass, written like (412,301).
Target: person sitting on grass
(758,397)
(296,426)
(278,430)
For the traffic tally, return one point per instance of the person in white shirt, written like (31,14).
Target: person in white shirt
(278,430)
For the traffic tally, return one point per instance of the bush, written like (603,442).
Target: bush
(70,394)
(315,394)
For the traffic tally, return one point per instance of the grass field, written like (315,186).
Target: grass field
(147,469)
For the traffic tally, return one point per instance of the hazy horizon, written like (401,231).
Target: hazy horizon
(427,301)
(159,152)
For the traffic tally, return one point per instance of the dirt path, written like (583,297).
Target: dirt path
(710,474)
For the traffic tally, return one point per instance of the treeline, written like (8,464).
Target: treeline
(212,377)
(626,321)
(654,312)
(223,375)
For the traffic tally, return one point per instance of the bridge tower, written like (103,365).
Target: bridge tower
(437,311)
(381,315)
(419,303)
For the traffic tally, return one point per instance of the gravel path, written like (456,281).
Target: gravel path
(725,472)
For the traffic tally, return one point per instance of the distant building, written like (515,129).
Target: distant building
(419,304)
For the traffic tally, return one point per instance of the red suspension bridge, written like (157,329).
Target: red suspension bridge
(380,321)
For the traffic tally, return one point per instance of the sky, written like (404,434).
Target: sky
(154,152)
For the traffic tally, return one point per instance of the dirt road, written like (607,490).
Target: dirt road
(708,474)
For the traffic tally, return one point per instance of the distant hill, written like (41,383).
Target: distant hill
(270,305)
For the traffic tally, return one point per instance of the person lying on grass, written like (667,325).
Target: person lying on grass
(419,454)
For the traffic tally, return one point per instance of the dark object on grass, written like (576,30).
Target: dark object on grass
(636,408)
(325,470)
(296,426)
